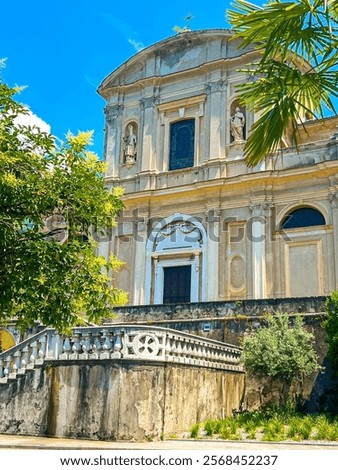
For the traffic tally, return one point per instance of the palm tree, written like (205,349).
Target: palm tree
(297,75)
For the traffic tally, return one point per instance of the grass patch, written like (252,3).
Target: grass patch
(270,424)
(194,431)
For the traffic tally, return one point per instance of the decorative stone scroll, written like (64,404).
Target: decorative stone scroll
(181,234)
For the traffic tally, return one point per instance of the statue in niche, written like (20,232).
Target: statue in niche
(130,142)
(237,123)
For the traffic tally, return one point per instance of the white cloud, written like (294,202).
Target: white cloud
(137,45)
(127,32)
(31,119)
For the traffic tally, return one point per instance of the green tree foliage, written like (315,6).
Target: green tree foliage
(297,74)
(280,351)
(331,326)
(52,200)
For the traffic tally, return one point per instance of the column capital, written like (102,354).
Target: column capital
(220,85)
(149,102)
(261,209)
(112,112)
(212,214)
(333,198)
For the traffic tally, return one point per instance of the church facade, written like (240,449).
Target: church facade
(198,224)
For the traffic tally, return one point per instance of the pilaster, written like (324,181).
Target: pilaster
(333,198)
(148,113)
(139,261)
(213,234)
(113,138)
(261,211)
(215,91)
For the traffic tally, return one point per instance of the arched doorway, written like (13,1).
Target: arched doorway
(176,267)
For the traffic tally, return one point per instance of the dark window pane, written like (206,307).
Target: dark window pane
(177,282)
(182,144)
(303,217)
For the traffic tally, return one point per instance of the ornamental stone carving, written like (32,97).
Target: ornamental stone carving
(261,209)
(178,235)
(112,112)
(146,345)
(149,102)
(333,198)
(220,85)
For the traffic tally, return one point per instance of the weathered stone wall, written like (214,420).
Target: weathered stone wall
(116,401)
(206,310)
(221,321)
(229,321)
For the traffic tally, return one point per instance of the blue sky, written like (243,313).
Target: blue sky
(62,50)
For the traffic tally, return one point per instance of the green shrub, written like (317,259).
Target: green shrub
(274,430)
(194,431)
(323,426)
(331,326)
(280,351)
(212,426)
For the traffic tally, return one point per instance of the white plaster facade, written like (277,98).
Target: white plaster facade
(215,215)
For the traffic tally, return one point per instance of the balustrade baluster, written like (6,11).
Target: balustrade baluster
(168,348)
(66,348)
(174,346)
(2,375)
(96,345)
(41,350)
(179,350)
(17,362)
(8,365)
(25,357)
(33,347)
(189,352)
(76,348)
(107,344)
(184,352)
(85,346)
(117,354)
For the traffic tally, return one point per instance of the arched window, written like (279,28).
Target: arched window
(182,144)
(303,217)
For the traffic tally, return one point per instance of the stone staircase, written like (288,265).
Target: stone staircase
(140,343)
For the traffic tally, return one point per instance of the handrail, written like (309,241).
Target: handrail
(119,342)
(23,343)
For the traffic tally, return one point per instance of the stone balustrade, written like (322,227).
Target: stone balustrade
(119,342)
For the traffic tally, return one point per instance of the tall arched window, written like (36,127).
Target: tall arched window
(303,217)
(182,144)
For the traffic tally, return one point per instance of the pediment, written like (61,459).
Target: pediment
(179,53)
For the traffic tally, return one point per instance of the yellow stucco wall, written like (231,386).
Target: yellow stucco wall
(6,340)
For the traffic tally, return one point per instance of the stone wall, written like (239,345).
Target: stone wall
(203,311)
(115,401)
(229,321)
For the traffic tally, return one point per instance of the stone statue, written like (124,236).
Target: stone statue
(130,142)
(237,123)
